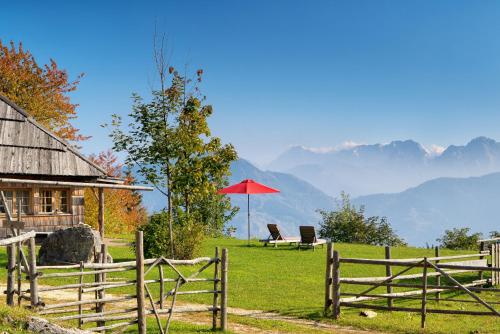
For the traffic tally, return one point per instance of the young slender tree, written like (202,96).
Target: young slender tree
(170,144)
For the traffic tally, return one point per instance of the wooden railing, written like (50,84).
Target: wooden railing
(335,298)
(93,285)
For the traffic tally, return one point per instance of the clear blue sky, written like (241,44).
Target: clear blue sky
(280,73)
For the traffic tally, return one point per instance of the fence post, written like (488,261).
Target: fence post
(328,277)
(388,272)
(223,303)
(162,286)
(19,265)
(80,296)
(424,295)
(438,278)
(139,261)
(336,285)
(495,263)
(102,279)
(33,273)
(11,276)
(216,288)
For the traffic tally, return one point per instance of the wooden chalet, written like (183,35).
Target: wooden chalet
(42,177)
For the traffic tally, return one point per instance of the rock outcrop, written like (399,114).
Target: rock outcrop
(71,245)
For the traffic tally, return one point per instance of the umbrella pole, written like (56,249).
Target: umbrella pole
(248,207)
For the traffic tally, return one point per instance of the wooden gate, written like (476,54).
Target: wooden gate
(431,267)
(117,295)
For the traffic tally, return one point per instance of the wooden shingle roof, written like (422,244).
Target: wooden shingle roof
(28,148)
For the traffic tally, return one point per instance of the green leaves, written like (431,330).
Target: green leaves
(169,142)
(348,224)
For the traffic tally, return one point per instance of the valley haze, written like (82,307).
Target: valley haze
(420,192)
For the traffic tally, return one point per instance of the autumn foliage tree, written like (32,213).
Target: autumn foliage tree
(123,211)
(41,90)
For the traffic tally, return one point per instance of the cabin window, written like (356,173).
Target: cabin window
(54,201)
(14,198)
(63,201)
(23,199)
(9,197)
(46,201)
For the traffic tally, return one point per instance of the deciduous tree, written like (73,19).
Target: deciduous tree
(123,211)
(169,141)
(41,90)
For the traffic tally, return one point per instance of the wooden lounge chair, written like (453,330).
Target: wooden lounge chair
(308,238)
(276,237)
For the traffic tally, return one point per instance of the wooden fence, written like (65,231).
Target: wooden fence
(92,285)
(335,298)
(493,246)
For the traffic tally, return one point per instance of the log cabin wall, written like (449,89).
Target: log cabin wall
(38,220)
(30,151)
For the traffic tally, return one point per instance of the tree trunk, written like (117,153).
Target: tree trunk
(170,211)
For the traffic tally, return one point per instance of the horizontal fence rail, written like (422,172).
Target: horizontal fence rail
(397,273)
(97,297)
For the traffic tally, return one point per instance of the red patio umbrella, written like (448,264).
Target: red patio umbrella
(248,187)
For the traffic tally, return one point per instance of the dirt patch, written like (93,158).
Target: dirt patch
(206,319)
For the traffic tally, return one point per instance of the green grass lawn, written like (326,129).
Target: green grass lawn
(291,282)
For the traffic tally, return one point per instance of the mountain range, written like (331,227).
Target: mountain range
(387,168)
(421,193)
(421,214)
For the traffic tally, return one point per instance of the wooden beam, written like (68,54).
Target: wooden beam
(141,303)
(77,184)
(19,238)
(100,217)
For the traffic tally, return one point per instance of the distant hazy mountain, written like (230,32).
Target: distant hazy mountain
(295,205)
(421,214)
(393,167)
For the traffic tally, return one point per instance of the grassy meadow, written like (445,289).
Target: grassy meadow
(291,282)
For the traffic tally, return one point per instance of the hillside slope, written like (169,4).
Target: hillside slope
(421,214)
(295,205)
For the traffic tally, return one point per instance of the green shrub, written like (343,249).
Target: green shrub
(459,238)
(349,224)
(188,235)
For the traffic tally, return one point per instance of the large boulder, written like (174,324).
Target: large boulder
(71,245)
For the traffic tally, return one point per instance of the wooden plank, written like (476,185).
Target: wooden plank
(11,276)
(424,296)
(18,239)
(33,274)
(141,304)
(100,216)
(224,289)
(101,294)
(162,285)
(388,272)
(454,281)
(412,309)
(73,184)
(336,285)
(438,278)
(328,278)
(80,296)
(215,302)
(13,224)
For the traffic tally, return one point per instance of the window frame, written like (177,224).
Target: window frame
(42,198)
(14,201)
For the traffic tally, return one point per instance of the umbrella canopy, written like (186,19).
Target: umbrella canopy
(248,187)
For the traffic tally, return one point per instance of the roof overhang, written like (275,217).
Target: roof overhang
(97,184)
